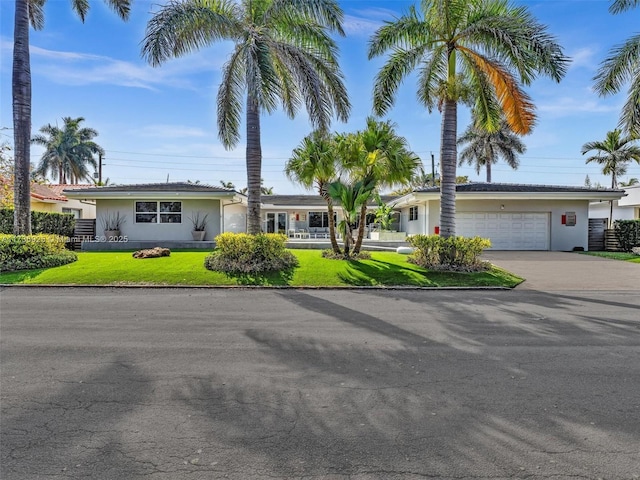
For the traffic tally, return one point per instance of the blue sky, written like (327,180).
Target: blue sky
(159,123)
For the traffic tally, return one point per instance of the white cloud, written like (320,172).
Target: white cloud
(363,23)
(77,68)
(584,58)
(567,106)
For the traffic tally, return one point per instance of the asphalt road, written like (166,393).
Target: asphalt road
(252,384)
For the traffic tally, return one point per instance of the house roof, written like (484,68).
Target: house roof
(61,187)
(45,192)
(306,200)
(517,188)
(155,187)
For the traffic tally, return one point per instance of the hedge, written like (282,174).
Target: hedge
(25,252)
(41,222)
(244,253)
(459,254)
(628,233)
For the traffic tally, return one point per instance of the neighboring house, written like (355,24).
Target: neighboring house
(163,211)
(49,198)
(512,216)
(627,208)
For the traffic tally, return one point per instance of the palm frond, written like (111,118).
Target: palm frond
(121,7)
(405,32)
(326,13)
(36,13)
(81,7)
(618,6)
(630,115)
(619,67)
(232,87)
(183,27)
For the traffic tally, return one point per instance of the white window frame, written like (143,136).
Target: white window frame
(413,213)
(158,213)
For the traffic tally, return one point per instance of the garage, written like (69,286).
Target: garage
(507,230)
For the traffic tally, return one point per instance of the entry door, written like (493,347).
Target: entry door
(277,222)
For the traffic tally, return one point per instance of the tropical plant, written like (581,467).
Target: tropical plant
(384,213)
(31,13)
(314,162)
(620,67)
(483,148)
(199,222)
(629,183)
(379,155)
(352,197)
(227,184)
(476,52)
(68,151)
(283,53)
(113,222)
(614,154)
(263,190)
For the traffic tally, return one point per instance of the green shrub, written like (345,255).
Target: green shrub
(41,222)
(244,253)
(457,254)
(331,255)
(24,252)
(628,233)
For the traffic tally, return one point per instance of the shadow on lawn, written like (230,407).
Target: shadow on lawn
(376,272)
(279,278)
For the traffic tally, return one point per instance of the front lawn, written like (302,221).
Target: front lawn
(187,268)
(628,257)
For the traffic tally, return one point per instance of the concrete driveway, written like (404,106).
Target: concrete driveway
(558,271)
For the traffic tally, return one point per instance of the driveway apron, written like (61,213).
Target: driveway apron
(561,271)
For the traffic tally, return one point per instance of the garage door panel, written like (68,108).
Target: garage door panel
(507,231)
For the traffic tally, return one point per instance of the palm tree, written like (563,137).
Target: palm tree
(227,184)
(68,151)
(282,54)
(630,183)
(31,12)
(314,162)
(484,148)
(379,154)
(621,67)
(478,52)
(352,197)
(614,154)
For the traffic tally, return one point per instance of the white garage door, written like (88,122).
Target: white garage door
(507,231)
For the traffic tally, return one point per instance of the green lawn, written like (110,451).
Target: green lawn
(628,257)
(187,268)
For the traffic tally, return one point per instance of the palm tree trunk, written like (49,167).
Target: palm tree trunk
(488,171)
(448,162)
(332,228)
(363,221)
(21,90)
(254,166)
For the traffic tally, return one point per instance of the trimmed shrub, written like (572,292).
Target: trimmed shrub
(244,253)
(25,252)
(628,233)
(331,255)
(457,254)
(41,222)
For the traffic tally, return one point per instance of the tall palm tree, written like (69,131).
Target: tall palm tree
(379,154)
(614,154)
(620,67)
(31,12)
(282,54)
(69,151)
(314,163)
(477,52)
(483,148)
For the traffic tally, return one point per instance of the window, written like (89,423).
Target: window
(413,213)
(320,219)
(158,212)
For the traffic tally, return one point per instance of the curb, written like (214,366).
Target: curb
(245,287)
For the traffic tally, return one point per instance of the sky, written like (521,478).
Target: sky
(159,123)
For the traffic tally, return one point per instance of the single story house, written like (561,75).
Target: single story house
(50,198)
(626,208)
(512,216)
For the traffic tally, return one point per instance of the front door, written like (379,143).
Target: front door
(277,222)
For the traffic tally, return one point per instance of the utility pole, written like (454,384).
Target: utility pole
(433,170)
(99,169)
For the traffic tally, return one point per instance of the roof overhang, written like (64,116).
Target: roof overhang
(150,195)
(418,197)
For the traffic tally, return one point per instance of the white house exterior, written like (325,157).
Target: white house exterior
(627,208)
(512,216)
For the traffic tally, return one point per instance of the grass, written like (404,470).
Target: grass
(627,257)
(187,268)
